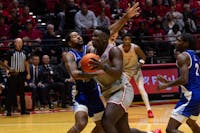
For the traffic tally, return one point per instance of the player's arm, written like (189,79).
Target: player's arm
(183,61)
(72,68)
(141,55)
(131,12)
(116,59)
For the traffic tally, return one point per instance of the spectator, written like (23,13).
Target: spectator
(30,35)
(160,9)
(103,20)
(169,22)
(141,32)
(26,16)
(4,34)
(49,84)
(177,16)
(70,10)
(51,5)
(15,24)
(4,29)
(85,20)
(173,34)
(63,80)
(148,11)
(34,80)
(3,12)
(50,44)
(100,7)
(189,26)
(45,79)
(150,56)
(116,11)
(157,31)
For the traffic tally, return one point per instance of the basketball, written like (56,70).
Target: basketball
(85,62)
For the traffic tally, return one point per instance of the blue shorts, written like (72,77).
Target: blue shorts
(90,98)
(188,106)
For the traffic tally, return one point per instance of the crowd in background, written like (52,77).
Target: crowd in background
(43,25)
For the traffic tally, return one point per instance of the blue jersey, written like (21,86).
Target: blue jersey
(80,84)
(78,55)
(189,103)
(194,72)
(88,91)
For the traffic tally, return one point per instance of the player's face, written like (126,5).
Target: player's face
(75,39)
(127,40)
(179,43)
(99,39)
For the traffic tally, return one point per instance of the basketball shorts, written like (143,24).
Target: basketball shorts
(187,107)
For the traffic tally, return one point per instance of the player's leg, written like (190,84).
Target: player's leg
(112,115)
(173,126)
(140,83)
(96,109)
(81,120)
(193,125)
(98,128)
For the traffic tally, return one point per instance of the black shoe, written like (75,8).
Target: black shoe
(8,114)
(25,113)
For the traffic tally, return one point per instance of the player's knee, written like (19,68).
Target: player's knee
(106,122)
(82,124)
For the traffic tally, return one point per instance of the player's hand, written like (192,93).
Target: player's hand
(95,64)
(161,79)
(133,11)
(161,86)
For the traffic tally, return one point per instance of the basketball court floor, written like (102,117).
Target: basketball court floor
(59,121)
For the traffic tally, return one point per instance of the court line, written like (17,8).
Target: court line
(65,123)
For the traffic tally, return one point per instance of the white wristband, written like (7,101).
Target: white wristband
(141,61)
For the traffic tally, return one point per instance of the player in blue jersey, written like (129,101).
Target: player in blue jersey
(188,107)
(87,100)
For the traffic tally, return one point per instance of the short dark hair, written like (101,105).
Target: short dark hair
(127,35)
(187,37)
(67,37)
(103,29)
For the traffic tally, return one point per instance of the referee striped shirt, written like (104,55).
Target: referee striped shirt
(18,59)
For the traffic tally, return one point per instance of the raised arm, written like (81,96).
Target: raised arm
(131,12)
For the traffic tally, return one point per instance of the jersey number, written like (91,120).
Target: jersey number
(197,69)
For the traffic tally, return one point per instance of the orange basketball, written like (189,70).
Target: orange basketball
(85,62)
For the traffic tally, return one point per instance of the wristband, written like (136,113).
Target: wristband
(141,61)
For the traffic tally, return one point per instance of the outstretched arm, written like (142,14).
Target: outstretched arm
(131,12)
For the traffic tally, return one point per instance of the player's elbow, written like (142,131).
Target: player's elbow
(184,80)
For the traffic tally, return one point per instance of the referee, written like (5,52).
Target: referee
(16,80)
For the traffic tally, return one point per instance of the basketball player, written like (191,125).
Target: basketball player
(132,67)
(87,100)
(114,85)
(188,107)
(90,103)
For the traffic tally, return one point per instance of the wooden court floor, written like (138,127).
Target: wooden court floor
(61,121)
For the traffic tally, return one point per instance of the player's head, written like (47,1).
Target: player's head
(126,39)
(100,37)
(74,39)
(114,36)
(185,41)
